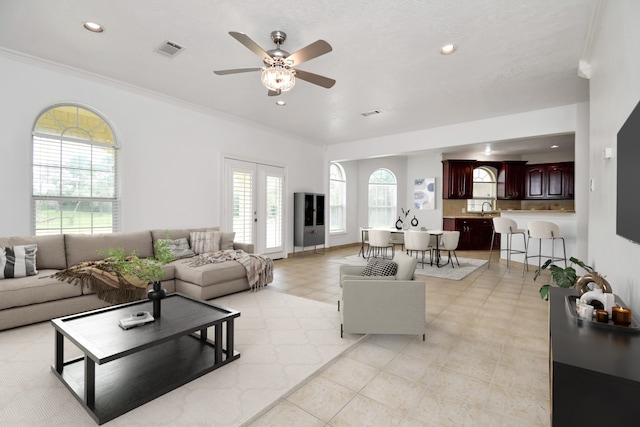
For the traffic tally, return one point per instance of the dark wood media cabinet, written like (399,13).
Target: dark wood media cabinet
(594,372)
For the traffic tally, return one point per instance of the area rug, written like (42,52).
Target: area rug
(282,339)
(467,266)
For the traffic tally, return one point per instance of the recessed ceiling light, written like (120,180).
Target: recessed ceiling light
(554,146)
(487,150)
(92,26)
(448,49)
(281,103)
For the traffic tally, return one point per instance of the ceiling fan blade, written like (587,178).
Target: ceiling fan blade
(250,44)
(311,51)
(316,79)
(236,71)
(274,92)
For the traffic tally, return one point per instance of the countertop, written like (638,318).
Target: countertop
(510,211)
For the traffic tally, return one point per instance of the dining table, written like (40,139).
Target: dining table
(436,233)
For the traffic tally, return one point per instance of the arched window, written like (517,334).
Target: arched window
(74,173)
(484,190)
(383,198)
(337,199)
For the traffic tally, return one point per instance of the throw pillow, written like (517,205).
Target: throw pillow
(179,248)
(226,239)
(380,267)
(202,241)
(18,261)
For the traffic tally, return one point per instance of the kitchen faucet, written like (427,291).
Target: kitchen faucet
(482,208)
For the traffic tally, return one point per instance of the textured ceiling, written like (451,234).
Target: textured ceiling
(513,56)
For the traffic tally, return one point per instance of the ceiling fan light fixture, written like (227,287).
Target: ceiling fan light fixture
(278,78)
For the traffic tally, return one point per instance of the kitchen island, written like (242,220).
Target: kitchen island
(566,220)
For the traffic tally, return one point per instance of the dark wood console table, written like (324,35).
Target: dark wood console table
(594,372)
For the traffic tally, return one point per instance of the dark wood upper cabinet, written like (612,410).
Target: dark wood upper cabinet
(457,177)
(511,180)
(549,181)
(535,181)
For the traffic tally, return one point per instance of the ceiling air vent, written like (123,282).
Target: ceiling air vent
(370,113)
(169,48)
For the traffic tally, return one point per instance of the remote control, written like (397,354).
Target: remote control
(136,319)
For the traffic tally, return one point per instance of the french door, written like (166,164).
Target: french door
(255,205)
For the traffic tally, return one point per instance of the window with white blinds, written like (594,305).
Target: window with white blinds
(274,211)
(74,173)
(383,199)
(243,206)
(337,199)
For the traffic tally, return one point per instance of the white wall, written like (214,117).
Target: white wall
(614,92)
(550,121)
(171,153)
(426,166)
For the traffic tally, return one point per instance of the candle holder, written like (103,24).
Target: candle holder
(602,316)
(621,316)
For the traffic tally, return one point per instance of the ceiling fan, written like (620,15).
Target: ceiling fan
(278,74)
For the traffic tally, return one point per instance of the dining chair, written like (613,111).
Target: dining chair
(379,242)
(420,242)
(449,243)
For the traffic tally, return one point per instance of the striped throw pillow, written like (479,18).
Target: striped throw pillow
(18,261)
(203,242)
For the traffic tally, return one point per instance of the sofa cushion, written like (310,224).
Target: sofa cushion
(51,252)
(406,266)
(209,274)
(380,267)
(87,247)
(35,289)
(225,240)
(18,261)
(179,248)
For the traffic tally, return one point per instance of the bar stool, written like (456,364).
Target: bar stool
(544,230)
(509,227)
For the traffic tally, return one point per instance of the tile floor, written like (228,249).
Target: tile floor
(484,362)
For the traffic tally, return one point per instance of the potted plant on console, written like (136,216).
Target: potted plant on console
(567,277)
(120,278)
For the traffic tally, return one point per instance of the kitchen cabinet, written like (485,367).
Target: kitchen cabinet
(457,177)
(594,372)
(511,178)
(549,181)
(475,233)
(308,220)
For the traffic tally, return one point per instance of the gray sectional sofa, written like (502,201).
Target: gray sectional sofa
(32,299)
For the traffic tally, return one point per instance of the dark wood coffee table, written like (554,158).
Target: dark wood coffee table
(123,369)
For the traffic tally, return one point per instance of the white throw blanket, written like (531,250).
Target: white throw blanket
(259,268)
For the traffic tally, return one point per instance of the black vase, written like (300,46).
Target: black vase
(399,224)
(156,295)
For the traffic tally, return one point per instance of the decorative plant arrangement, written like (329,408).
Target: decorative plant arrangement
(119,277)
(563,277)
(400,224)
(148,270)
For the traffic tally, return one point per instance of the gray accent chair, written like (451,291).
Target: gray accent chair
(382,304)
